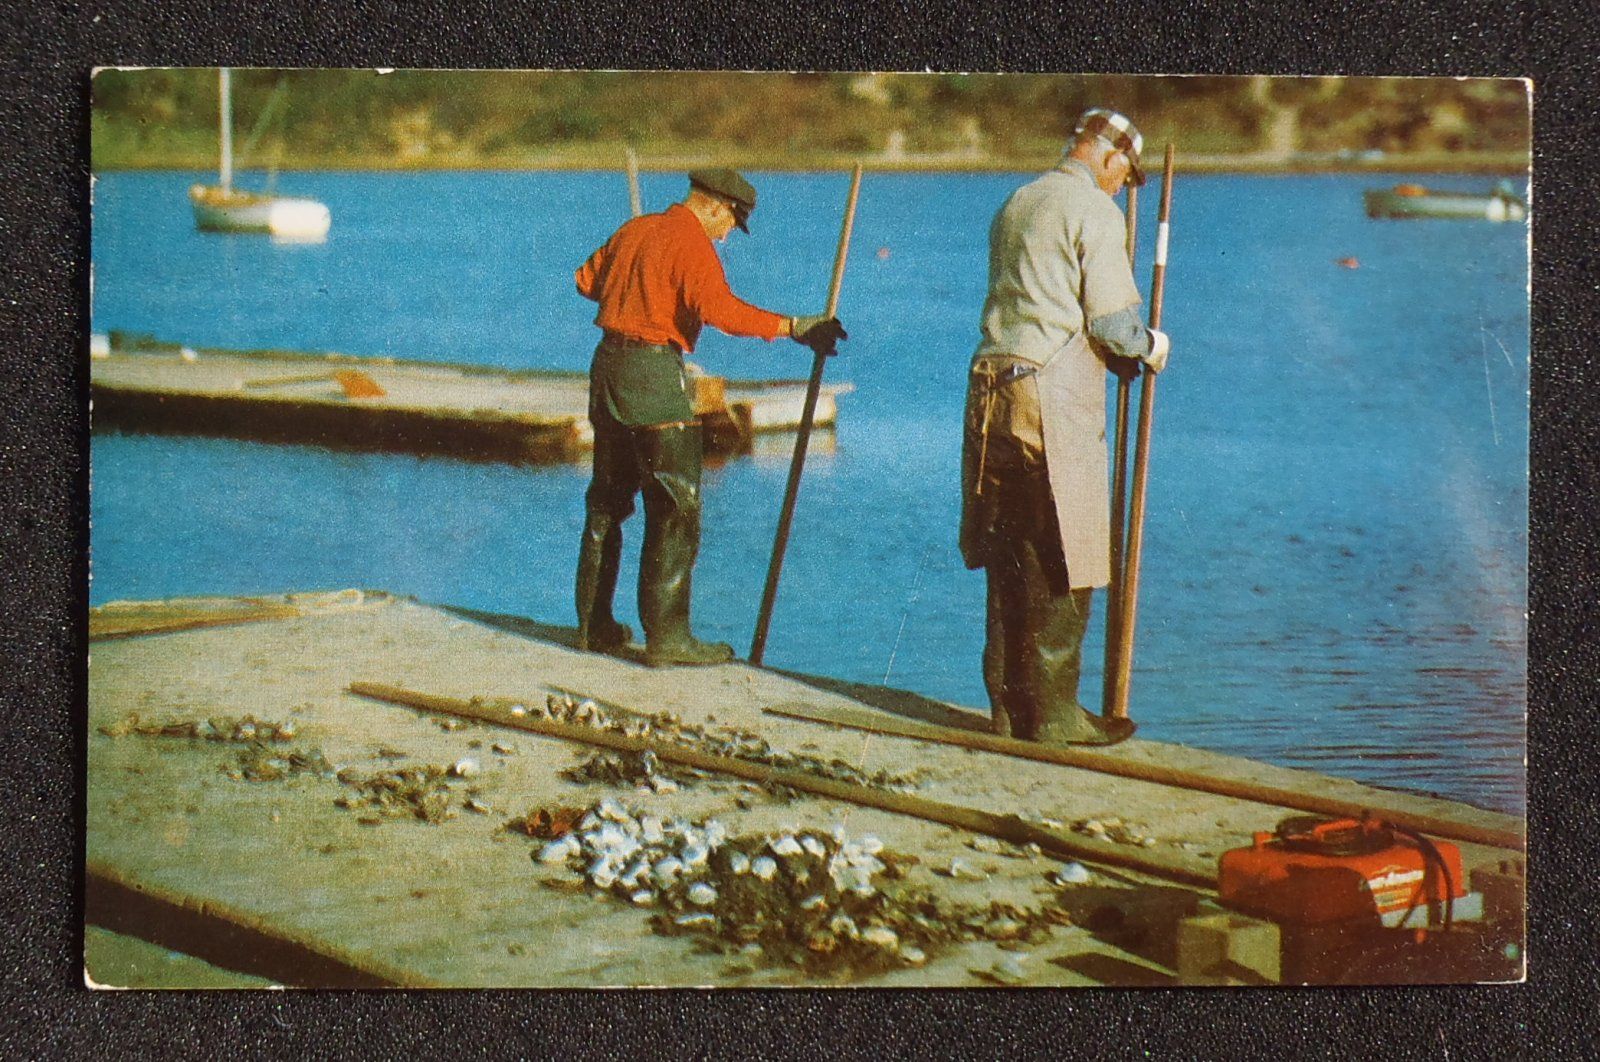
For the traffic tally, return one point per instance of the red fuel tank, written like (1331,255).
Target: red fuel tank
(1314,871)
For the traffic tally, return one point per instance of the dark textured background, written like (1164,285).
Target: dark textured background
(45,57)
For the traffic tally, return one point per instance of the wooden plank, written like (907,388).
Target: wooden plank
(229,936)
(1005,827)
(880,723)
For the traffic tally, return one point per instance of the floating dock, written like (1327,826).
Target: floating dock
(389,405)
(200,873)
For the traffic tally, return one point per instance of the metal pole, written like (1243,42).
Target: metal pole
(769,595)
(1141,463)
(1119,492)
(634,201)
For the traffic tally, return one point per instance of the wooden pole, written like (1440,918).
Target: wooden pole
(1006,827)
(634,200)
(225,128)
(1129,606)
(1145,771)
(1119,492)
(769,595)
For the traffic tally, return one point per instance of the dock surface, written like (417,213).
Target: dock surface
(466,411)
(296,882)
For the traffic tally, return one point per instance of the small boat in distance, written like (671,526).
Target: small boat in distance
(224,208)
(1415,201)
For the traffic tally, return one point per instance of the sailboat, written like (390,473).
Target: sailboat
(223,208)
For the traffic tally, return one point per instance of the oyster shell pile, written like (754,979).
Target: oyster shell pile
(1114,830)
(827,902)
(422,792)
(242,730)
(263,758)
(262,763)
(642,769)
(718,741)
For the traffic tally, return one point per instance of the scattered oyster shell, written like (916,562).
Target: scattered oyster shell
(881,936)
(1071,874)
(912,955)
(764,867)
(667,871)
(1008,969)
(960,870)
(785,846)
(702,895)
(1003,928)
(696,918)
(738,863)
(814,846)
(465,767)
(631,876)
(643,898)
(559,850)
(603,872)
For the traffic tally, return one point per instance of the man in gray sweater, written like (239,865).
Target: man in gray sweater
(1062,310)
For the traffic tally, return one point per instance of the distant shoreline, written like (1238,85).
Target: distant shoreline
(1495,163)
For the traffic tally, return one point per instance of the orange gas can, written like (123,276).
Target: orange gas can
(1314,871)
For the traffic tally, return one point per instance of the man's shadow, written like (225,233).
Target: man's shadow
(903,703)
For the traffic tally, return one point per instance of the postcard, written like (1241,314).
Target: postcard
(620,529)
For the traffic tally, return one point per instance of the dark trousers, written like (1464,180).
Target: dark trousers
(662,463)
(1033,654)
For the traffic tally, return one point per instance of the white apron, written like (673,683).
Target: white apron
(1072,415)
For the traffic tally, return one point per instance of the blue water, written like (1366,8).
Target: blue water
(1335,554)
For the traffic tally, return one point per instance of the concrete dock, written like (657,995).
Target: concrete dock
(385,404)
(201,877)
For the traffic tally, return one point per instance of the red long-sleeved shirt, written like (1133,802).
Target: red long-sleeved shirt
(658,279)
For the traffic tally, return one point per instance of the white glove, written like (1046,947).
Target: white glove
(1160,347)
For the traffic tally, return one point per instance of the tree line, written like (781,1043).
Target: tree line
(308,118)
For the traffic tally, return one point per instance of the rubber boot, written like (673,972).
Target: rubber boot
(1006,719)
(671,463)
(599,561)
(1060,623)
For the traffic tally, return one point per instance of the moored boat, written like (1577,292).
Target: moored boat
(1415,201)
(224,208)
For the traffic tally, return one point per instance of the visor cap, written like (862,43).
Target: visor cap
(739,193)
(1119,131)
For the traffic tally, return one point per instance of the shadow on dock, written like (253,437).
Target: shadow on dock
(899,702)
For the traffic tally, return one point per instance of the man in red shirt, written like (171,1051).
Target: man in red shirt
(658,280)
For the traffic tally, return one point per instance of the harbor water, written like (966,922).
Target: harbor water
(1335,565)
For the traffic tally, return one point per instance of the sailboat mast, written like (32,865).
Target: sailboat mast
(225,94)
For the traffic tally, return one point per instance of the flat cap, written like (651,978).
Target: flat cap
(1119,130)
(727,184)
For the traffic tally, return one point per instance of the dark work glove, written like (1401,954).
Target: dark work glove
(819,332)
(1125,368)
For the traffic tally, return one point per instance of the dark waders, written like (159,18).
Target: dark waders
(645,441)
(1033,652)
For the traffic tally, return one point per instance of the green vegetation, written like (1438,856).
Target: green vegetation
(444,119)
